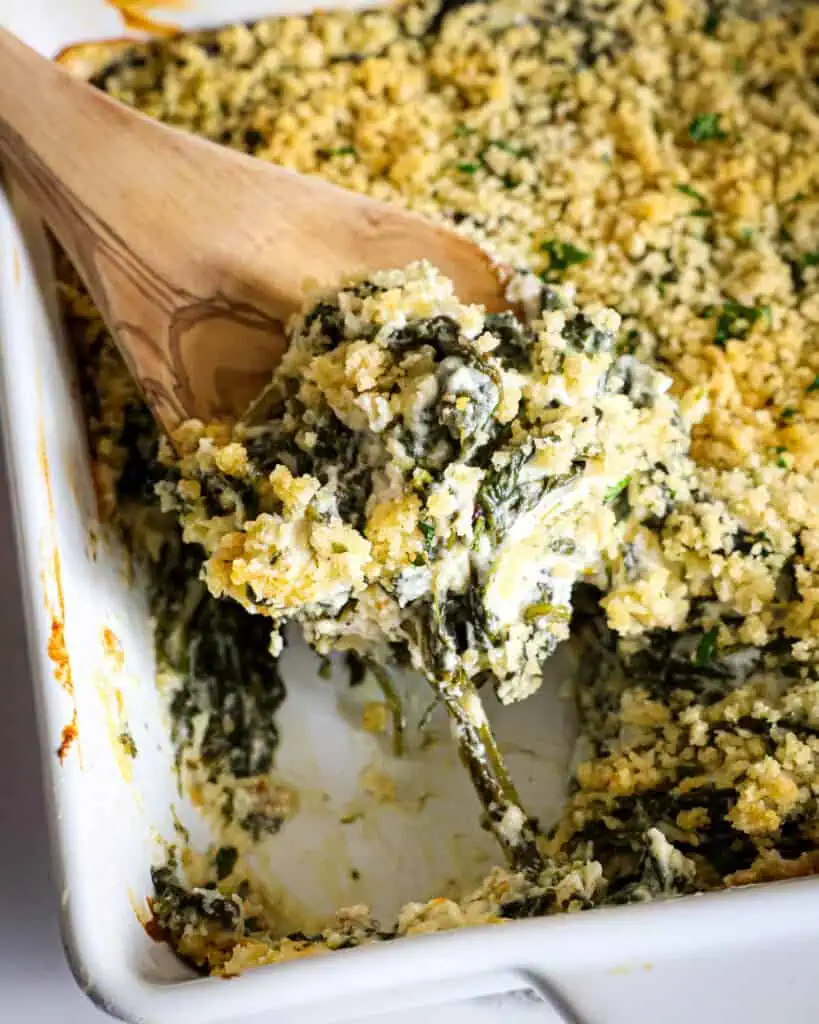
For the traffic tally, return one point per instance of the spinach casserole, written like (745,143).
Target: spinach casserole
(627,466)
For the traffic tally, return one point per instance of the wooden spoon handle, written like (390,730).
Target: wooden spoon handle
(105,177)
(125,196)
(196,254)
(51,127)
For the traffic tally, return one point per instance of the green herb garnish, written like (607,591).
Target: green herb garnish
(735,321)
(813,386)
(468,168)
(787,414)
(562,255)
(780,451)
(706,128)
(692,192)
(703,209)
(810,259)
(507,147)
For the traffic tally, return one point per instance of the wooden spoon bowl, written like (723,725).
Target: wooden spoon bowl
(197,255)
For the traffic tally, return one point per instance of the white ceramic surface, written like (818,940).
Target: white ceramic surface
(734,956)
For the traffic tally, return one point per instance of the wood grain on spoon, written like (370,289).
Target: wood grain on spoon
(196,255)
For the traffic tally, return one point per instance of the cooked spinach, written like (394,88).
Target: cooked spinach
(224,669)
(225,861)
(177,908)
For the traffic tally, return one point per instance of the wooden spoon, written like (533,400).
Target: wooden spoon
(195,254)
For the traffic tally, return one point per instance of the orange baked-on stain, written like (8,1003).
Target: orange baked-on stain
(135,15)
(57,651)
(69,734)
(58,581)
(59,656)
(42,455)
(112,647)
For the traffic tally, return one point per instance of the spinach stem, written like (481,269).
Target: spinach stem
(396,706)
(483,760)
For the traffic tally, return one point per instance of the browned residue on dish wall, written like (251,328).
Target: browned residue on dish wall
(57,651)
(15,263)
(69,734)
(59,656)
(56,647)
(136,15)
(112,648)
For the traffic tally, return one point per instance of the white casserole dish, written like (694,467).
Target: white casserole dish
(737,956)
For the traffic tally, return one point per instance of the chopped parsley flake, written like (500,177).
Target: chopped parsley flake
(813,386)
(703,209)
(507,147)
(734,321)
(562,255)
(780,452)
(706,128)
